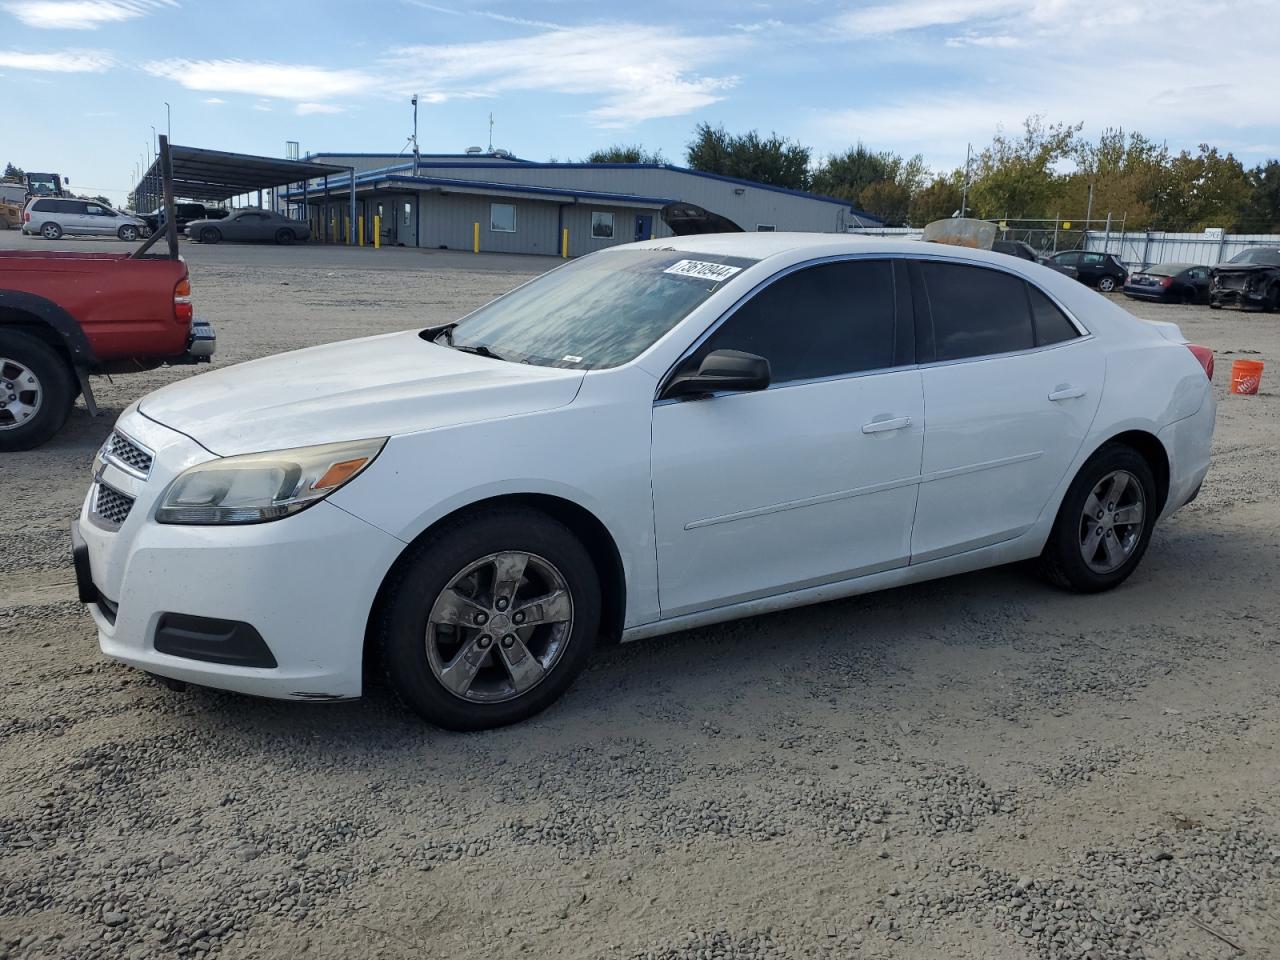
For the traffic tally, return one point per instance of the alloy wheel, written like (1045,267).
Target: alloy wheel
(20,394)
(1112,521)
(499,627)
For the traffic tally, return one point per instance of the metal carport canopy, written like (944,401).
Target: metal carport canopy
(200,174)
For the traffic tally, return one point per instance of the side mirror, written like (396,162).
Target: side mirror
(730,370)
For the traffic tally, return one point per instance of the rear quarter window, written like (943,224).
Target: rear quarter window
(977,311)
(1051,324)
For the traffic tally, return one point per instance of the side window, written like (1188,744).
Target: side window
(822,321)
(1068,259)
(74,206)
(95,211)
(1052,325)
(1091,259)
(44,206)
(976,312)
(502,217)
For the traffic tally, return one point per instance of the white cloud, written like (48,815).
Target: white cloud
(305,109)
(214,100)
(898,17)
(654,73)
(80,14)
(262,107)
(1002,40)
(258,78)
(57,61)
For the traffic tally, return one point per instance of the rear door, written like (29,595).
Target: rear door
(1011,387)
(812,480)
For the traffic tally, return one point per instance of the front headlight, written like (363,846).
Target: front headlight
(258,487)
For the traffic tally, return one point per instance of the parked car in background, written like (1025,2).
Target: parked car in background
(575,436)
(1104,271)
(248,225)
(65,316)
(1249,280)
(54,217)
(185,213)
(1170,283)
(1024,251)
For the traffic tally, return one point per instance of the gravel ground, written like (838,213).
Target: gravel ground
(979,767)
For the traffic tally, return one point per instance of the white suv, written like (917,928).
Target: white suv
(52,217)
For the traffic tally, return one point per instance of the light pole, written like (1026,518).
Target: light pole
(414,101)
(168,121)
(155,148)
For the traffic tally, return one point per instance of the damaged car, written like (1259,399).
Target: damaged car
(1250,280)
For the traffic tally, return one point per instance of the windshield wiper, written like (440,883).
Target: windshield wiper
(479,349)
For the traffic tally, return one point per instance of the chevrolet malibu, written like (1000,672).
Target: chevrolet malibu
(651,438)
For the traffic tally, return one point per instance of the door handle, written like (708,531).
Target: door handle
(1067,393)
(880,426)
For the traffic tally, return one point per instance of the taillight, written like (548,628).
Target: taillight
(182,308)
(1167,282)
(26,216)
(1205,356)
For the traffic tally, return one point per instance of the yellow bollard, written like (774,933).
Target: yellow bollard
(346,230)
(564,243)
(360,229)
(377,232)
(475,243)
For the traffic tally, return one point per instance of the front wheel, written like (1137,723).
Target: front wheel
(489,620)
(36,391)
(210,235)
(1107,284)
(284,236)
(1104,524)
(128,233)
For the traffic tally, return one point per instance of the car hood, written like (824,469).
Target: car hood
(376,387)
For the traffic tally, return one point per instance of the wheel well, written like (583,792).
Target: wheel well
(585,526)
(1150,448)
(33,326)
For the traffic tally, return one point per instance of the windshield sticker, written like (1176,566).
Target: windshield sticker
(570,358)
(702,270)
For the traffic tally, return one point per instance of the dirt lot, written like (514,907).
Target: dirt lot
(980,767)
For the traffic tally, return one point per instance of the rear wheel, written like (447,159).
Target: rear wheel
(210,235)
(1104,524)
(285,236)
(128,233)
(51,231)
(489,620)
(1106,284)
(36,391)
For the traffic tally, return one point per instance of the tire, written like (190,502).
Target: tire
(210,235)
(29,417)
(285,236)
(1106,284)
(128,233)
(417,650)
(51,231)
(1063,560)
(1215,305)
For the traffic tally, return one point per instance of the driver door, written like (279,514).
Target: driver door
(812,480)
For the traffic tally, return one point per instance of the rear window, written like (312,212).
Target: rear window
(47,206)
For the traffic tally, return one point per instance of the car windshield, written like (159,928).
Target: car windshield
(600,311)
(1268,258)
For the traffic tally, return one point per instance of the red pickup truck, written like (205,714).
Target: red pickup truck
(64,316)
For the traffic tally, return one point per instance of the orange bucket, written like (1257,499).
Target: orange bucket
(1246,376)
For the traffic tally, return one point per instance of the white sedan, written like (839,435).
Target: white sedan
(654,437)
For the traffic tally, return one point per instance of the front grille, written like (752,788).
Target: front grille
(127,454)
(111,506)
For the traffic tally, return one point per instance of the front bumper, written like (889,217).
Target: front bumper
(304,585)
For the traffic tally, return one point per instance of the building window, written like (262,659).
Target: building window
(502,217)
(765,227)
(408,211)
(601,225)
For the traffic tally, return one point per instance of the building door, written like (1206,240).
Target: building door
(644,226)
(404,229)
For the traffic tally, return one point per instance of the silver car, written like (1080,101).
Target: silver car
(55,217)
(250,223)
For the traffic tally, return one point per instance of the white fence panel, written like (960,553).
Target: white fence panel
(1138,250)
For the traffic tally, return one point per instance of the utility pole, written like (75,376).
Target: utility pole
(416,155)
(964,195)
(168,121)
(1089,211)
(155,150)
(491,133)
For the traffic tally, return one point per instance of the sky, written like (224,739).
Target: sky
(85,81)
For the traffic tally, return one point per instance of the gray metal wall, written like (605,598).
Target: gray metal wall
(1145,249)
(448,221)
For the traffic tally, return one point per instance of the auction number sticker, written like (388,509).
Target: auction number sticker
(702,270)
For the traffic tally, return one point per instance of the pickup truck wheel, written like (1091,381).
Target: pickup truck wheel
(489,619)
(285,236)
(36,391)
(210,235)
(51,231)
(128,233)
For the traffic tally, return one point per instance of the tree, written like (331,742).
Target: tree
(1207,189)
(1128,174)
(887,200)
(14,173)
(938,201)
(846,175)
(625,153)
(772,160)
(1017,176)
(1262,209)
